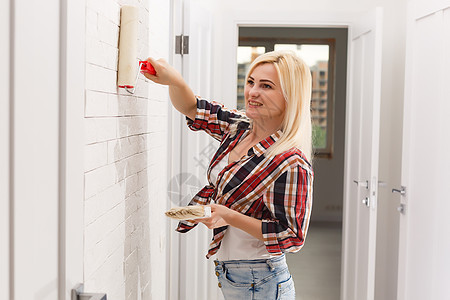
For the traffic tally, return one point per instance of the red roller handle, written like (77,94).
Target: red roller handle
(147,67)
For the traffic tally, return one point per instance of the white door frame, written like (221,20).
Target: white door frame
(174,164)
(291,19)
(72,98)
(4,150)
(187,251)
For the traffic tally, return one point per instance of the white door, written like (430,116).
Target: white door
(194,273)
(41,173)
(424,260)
(361,171)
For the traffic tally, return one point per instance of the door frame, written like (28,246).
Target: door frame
(175,121)
(291,19)
(5,154)
(72,144)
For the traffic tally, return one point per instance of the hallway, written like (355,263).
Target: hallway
(316,269)
(88,169)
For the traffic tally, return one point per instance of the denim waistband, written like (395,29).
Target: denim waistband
(253,263)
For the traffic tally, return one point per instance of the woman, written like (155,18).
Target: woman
(260,179)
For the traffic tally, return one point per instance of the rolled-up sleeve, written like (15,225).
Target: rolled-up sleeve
(289,200)
(213,118)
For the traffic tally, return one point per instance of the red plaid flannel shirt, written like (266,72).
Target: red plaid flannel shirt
(277,190)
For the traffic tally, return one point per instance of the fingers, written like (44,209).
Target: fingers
(213,206)
(156,66)
(165,73)
(212,222)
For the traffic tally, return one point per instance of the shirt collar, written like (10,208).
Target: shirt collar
(263,145)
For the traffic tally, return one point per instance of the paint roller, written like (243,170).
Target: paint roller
(129,66)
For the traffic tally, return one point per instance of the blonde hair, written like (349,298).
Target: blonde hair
(295,79)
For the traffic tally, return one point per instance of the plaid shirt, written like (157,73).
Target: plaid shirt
(277,189)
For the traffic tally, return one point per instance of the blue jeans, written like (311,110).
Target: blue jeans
(261,279)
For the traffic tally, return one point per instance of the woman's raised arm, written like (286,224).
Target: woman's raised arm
(181,95)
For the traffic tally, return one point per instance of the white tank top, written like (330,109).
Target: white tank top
(237,244)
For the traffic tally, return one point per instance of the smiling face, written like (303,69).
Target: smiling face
(264,100)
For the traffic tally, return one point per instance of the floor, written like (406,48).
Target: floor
(316,269)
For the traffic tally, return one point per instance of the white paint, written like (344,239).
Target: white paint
(423,251)
(125,137)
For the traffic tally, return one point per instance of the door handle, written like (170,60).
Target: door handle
(366,201)
(401,191)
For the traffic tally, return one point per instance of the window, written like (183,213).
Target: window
(319,55)
(245,57)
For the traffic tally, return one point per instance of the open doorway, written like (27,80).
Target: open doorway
(317,268)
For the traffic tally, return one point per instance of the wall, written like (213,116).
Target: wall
(35,148)
(391,98)
(125,158)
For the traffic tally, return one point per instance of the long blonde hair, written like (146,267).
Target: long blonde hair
(295,79)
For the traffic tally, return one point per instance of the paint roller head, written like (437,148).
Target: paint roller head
(127,65)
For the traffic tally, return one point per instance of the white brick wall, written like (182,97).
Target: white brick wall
(125,158)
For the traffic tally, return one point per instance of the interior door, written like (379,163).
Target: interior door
(361,172)
(424,261)
(195,278)
(41,149)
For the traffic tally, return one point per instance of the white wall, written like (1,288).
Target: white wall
(125,158)
(391,97)
(35,126)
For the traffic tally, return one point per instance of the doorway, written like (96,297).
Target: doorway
(325,51)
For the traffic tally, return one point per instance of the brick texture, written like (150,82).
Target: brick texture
(125,158)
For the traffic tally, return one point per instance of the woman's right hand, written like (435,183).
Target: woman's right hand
(165,73)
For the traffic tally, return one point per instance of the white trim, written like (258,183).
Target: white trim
(375,151)
(175,125)
(347,179)
(74,144)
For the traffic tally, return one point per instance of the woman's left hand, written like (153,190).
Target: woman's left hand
(219,215)
(222,216)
